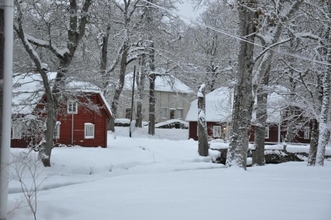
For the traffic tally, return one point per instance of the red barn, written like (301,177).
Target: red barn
(219,114)
(81,121)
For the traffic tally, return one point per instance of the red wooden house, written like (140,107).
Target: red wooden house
(82,120)
(219,114)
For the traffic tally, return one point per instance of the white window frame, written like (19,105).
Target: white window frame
(217,131)
(266,134)
(57,130)
(164,113)
(306,133)
(16,131)
(87,132)
(72,107)
(180,113)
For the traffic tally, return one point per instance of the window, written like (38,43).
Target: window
(179,113)
(172,114)
(89,131)
(57,130)
(217,131)
(266,134)
(306,132)
(164,113)
(16,131)
(128,113)
(72,107)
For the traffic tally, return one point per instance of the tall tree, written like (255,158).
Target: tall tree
(140,81)
(243,97)
(76,15)
(209,54)
(272,23)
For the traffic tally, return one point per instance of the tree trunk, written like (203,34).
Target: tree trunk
(324,132)
(119,88)
(261,118)
(314,133)
(152,77)
(202,125)
(151,124)
(140,80)
(46,147)
(313,143)
(243,97)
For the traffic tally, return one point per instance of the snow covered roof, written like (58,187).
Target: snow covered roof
(219,107)
(28,89)
(164,83)
(171,121)
(276,103)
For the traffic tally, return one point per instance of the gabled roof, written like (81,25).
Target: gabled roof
(28,90)
(219,107)
(163,83)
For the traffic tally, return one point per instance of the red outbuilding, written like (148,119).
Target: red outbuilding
(218,115)
(82,119)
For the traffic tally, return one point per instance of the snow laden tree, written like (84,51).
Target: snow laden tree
(324,130)
(202,125)
(272,19)
(243,96)
(152,18)
(308,82)
(140,81)
(127,10)
(119,29)
(48,21)
(210,55)
(219,50)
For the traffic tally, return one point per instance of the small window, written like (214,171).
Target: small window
(179,113)
(266,134)
(16,131)
(57,130)
(217,131)
(72,107)
(89,131)
(306,133)
(164,113)
(128,113)
(172,114)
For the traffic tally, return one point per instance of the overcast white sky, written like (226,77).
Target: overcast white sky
(187,11)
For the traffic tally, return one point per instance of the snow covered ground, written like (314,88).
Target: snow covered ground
(162,177)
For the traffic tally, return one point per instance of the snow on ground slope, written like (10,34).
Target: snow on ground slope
(146,178)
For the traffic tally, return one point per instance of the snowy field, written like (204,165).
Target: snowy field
(163,178)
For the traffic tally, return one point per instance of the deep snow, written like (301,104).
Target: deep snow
(162,177)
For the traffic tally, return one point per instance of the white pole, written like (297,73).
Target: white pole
(6,105)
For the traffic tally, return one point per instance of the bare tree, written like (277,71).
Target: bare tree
(77,22)
(140,80)
(270,30)
(243,97)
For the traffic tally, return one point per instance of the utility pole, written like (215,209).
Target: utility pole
(6,72)
(132,97)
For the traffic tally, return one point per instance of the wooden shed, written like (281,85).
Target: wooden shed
(82,120)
